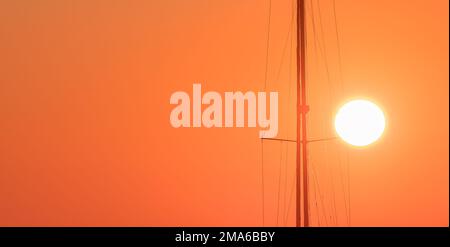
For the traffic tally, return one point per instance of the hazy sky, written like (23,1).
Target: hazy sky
(85,136)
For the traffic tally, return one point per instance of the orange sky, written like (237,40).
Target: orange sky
(84,113)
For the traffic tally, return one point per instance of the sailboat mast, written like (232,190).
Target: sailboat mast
(302,109)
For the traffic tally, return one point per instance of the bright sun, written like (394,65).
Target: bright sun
(359,122)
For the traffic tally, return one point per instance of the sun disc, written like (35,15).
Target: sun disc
(360,122)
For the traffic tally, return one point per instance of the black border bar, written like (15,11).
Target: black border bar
(286,236)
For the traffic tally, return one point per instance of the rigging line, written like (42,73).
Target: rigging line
(265,86)
(343,185)
(318,51)
(338,42)
(267,45)
(308,120)
(290,200)
(288,37)
(316,180)
(279,181)
(315,198)
(278,139)
(332,188)
(316,45)
(333,217)
(289,110)
(262,179)
(284,48)
(331,88)
(285,182)
(276,80)
(323,139)
(342,88)
(315,203)
(348,190)
(330,169)
(322,46)
(308,181)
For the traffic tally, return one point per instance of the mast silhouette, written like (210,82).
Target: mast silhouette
(302,110)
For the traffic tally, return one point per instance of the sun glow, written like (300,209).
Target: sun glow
(360,122)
